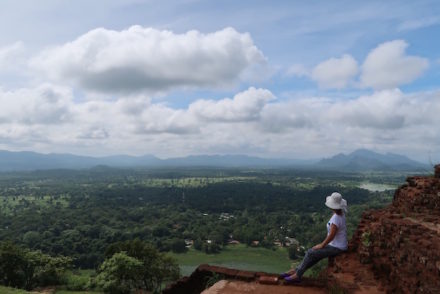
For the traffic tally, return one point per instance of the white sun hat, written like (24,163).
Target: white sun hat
(335,201)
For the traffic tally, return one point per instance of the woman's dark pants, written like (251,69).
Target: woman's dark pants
(313,256)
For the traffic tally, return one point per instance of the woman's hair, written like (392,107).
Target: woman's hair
(338,211)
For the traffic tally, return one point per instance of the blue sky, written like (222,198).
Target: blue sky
(297,79)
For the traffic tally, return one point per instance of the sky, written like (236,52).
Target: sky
(274,79)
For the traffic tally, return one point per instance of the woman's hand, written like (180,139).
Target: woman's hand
(319,246)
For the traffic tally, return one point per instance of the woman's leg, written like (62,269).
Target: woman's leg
(313,256)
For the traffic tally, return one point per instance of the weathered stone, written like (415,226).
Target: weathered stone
(404,254)
(269,280)
(437,265)
(245,275)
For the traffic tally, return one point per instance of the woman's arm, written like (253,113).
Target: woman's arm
(330,237)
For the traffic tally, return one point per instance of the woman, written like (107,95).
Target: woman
(334,244)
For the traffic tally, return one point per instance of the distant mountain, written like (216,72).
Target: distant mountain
(233,161)
(26,161)
(366,160)
(359,160)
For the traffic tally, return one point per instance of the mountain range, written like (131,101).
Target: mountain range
(366,160)
(359,160)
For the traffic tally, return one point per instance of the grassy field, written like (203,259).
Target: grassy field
(237,256)
(192,182)
(8,204)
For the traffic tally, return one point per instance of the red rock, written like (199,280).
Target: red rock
(269,280)
(404,252)
(245,275)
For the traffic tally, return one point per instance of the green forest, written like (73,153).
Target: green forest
(82,228)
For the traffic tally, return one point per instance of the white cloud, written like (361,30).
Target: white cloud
(245,106)
(159,119)
(94,134)
(381,110)
(335,72)
(418,23)
(138,116)
(10,56)
(46,104)
(47,118)
(298,70)
(148,59)
(292,114)
(387,66)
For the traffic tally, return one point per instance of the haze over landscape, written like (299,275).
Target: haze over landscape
(357,161)
(284,79)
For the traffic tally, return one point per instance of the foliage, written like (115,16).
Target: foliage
(366,238)
(119,274)
(41,269)
(12,262)
(293,251)
(77,282)
(178,245)
(27,269)
(198,244)
(155,267)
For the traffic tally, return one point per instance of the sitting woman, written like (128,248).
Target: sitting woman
(334,244)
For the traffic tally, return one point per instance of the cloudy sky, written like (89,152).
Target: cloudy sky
(294,79)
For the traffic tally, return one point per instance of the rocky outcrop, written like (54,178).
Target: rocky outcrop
(259,282)
(396,249)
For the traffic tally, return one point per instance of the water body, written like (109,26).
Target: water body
(375,187)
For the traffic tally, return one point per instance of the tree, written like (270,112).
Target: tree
(293,250)
(178,245)
(156,267)
(41,269)
(31,238)
(198,244)
(27,269)
(165,269)
(211,248)
(11,263)
(119,274)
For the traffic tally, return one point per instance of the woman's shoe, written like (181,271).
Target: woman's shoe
(287,274)
(290,280)
(284,275)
